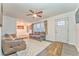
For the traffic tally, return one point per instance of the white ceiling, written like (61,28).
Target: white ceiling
(50,9)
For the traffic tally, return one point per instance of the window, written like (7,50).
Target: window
(61,23)
(39,27)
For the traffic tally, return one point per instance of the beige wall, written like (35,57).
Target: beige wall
(72,27)
(77,33)
(51,29)
(9,25)
(21,32)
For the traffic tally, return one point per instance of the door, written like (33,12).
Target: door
(62,29)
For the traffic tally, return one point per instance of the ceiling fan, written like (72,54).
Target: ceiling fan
(35,14)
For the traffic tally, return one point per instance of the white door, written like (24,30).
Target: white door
(62,30)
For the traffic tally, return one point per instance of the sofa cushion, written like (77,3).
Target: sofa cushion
(20,45)
(10,47)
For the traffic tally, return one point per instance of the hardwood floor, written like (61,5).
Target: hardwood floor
(55,49)
(59,49)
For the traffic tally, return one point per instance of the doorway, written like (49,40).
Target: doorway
(62,30)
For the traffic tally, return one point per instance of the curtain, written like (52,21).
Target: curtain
(40,27)
(46,29)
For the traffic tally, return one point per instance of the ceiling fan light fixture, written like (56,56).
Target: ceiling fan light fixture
(34,15)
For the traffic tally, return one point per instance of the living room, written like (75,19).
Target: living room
(32,28)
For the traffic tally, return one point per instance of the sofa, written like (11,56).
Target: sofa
(10,46)
(38,35)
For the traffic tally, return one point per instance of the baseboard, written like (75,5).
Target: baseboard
(48,40)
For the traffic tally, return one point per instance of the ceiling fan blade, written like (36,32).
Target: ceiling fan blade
(31,11)
(29,14)
(39,12)
(39,15)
